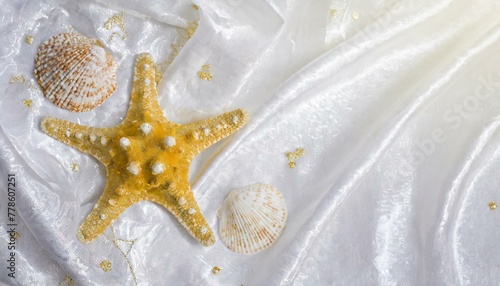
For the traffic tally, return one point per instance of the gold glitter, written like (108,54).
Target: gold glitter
(184,37)
(332,13)
(105,265)
(355,15)
(176,48)
(17,235)
(116,20)
(75,167)
(20,79)
(28,103)
(158,74)
(67,281)
(192,26)
(204,73)
(216,270)
(292,156)
(17,79)
(29,39)
(122,36)
(195,7)
(131,242)
(492,205)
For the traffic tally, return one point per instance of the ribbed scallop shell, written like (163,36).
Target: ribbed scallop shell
(252,218)
(75,72)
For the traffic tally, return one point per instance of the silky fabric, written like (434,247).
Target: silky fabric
(396,104)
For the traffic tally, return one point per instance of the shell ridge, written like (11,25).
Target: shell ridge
(252,218)
(85,94)
(240,240)
(75,72)
(67,95)
(53,79)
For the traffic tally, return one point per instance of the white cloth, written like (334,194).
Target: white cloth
(396,104)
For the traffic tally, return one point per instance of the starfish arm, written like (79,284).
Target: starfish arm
(86,139)
(207,132)
(144,98)
(112,203)
(178,199)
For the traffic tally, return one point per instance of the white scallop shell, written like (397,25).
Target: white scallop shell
(252,218)
(75,72)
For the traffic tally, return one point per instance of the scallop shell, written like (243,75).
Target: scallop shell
(75,72)
(252,218)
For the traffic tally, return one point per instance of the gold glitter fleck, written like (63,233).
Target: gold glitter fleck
(28,103)
(105,265)
(332,13)
(20,79)
(292,156)
(355,15)
(184,36)
(204,73)
(158,74)
(67,281)
(75,167)
(195,7)
(192,26)
(29,39)
(115,242)
(216,270)
(17,235)
(492,205)
(17,79)
(116,20)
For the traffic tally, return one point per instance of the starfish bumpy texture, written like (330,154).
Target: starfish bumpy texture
(147,157)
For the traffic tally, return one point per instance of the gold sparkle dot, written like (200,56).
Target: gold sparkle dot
(332,13)
(68,281)
(192,26)
(158,74)
(29,39)
(17,79)
(116,20)
(28,103)
(355,15)
(75,167)
(292,156)
(105,265)
(195,7)
(216,270)
(492,205)
(204,73)
(17,235)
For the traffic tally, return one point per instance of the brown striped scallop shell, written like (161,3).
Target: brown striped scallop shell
(252,218)
(75,72)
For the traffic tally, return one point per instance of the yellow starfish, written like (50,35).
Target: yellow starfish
(147,157)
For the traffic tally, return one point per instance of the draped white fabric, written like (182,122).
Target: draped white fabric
(395,103)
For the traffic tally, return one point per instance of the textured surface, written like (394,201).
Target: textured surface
(74,72)
(147,157)
(397,112)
